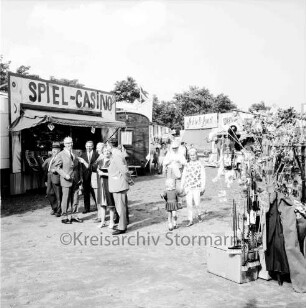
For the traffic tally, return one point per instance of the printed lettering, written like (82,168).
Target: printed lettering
(86,100)
(32,88)
(55,95)
(41,90)
(63,98)
(93,99)
(77,96)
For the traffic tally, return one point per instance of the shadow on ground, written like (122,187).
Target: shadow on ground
(28,202)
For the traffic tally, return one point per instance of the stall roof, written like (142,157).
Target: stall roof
(31,118)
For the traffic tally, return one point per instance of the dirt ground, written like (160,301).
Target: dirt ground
(48,264)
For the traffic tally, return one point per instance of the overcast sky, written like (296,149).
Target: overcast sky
(251,51)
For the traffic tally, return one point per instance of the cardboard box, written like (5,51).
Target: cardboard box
(228,264)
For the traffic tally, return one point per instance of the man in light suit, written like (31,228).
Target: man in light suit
(69,168)
(54,190)
(118,182)
(90,156)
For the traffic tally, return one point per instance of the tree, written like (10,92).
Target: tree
(68,82)
(195,101)
(127,90)
(285,116)
(167,114)
(223,104)
(201,101)
(4,68)
(256,107)
(24,70)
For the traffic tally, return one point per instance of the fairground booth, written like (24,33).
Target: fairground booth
(43,111)
(266,168)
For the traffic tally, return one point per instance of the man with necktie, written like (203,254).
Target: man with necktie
(54,190)
(69,168)
(89,156)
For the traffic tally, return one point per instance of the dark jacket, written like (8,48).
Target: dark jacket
(276,257)
(86,172)
(55,177)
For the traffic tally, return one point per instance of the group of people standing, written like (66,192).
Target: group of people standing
(103,174)
(185,177)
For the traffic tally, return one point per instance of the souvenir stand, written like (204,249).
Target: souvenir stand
(269,215)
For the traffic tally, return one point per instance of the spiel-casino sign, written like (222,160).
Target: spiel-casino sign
(44,93)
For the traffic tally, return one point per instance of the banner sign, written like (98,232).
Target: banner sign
(201,121)
(232,118)
(45,93)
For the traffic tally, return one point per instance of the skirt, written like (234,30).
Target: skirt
(173,206)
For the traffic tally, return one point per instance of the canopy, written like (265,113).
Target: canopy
(31,118)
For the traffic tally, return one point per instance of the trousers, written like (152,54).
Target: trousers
(121,207)
(54,195)
(193,197)
(70,201)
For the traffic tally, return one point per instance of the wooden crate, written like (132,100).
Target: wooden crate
(228,264)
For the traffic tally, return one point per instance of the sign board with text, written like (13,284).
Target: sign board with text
(233,118)
(48,95)
(202,121)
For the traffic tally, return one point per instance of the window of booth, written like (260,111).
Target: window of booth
(126,137)
(37,142)
(41,137)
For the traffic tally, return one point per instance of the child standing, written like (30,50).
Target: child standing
(193,183)
(171,195)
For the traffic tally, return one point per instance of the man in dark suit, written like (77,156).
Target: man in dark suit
(54,190)
(69,168)
(90,156)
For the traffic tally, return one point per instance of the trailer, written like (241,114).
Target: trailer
(135,138)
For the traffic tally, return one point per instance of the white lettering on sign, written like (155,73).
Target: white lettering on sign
(44,93)
(201,121)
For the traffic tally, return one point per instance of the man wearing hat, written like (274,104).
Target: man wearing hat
(174,161)
(119,180)
(53,181)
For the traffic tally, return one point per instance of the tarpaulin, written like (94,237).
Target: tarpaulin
(31,118)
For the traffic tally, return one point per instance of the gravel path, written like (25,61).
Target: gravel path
(48,264)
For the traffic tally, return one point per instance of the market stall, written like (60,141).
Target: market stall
(42,112)
(269,216)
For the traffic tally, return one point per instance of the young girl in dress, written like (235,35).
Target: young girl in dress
(193,183)
(170,195)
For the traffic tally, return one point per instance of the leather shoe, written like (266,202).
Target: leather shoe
(52,213)
(117,232)
(76,219)
(66,221)
(58,215)
(85,212)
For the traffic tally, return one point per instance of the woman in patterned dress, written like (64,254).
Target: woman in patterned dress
(193,183)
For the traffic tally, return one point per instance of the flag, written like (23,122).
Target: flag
(143,95)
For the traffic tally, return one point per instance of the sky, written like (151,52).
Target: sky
(249,50)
